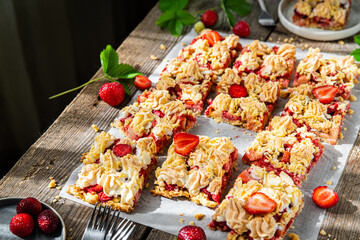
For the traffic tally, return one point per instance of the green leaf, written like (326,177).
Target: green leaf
(164,19)
(109,58)
(357,39)
(174,5)
(123,71)
(185,17)
(356,54)
(126,88)
(175,27)
(230,18)
(241,7)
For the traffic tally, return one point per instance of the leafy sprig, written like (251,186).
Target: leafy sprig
(175,17)
(356,52)
(113,71)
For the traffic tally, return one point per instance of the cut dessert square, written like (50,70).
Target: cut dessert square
(340,73)
(327,14)
(196,167)
(115,171)
(285,148)
(260,206)
(248,103)
(187,82)
(212,51)
(273,64)
(157,115)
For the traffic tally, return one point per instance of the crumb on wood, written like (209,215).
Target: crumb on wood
(294,236)
(162,47)
(270,39)
(147,185)
(199,216)
(153,57)
(57,197)
(55,200)
(52,183)
(69,238)
(70,230)
(51,178)
(322,232)
(58,188)
(341,42)
(95,127)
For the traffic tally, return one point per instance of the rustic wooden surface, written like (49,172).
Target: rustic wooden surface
(59,149)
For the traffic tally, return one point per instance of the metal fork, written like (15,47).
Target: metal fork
(265,19)
(97,225)
(126,227)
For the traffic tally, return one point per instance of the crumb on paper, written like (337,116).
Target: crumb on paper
(217,131)
(192,223)
(181,220)
(199,216)
(333,168)
(292,227)
(341,136)
(294,236)
(183,44)
(162,47)
(153,57)
(232,128)
(95,127)
(352,98)
(51,178)
(322,232)
(302,48)
(345,129)
(52,183)
(250,134)
(351,111)
(341,42)
(181,214)
(328,182)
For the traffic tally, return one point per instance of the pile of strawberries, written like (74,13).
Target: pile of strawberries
(28,209)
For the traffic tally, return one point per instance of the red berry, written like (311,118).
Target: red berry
(325,94)
(191,233)
(241,29)
(121,150)
(48,221)
(212,37)
(93,189)
(29,205)
(237,91)
(103,197)
(185,143)
(112,93)
(209,18)
(22,225)
(325,197)
(142,82)
(259,203)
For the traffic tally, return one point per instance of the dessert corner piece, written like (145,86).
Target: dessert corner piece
(155,114)
(328,14)
(115,171)
(196,167)
(260,206)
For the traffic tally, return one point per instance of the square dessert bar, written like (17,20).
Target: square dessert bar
(339,73)
(157,115)
(201,175)
(285,148)
(187,82)
(248,103)
(115,171)
(260,206)
(272,64)
(327,14)
(212,51)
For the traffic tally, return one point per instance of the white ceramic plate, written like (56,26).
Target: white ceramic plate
(286,11)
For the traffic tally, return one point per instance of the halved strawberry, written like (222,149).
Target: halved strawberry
(259,203)
(121,150)
(325,197)
(142,82)
(212,37)
(245,176)
(185,143)
(237,91)
(103,197)
(158,113)
(93,189)
(325,94)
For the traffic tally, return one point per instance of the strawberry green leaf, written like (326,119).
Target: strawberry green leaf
(357,39)
(240,7)
(174,5)
(123,71)
(356,54)
(175,27)
(165,18)
(109,58)
(126,88)
(185,17)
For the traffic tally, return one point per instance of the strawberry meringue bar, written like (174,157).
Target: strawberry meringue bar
(196,167)
(248,103)
(285,148)
(157,115)
(115,171)
(260,206)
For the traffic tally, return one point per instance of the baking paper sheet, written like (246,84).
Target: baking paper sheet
(164,214)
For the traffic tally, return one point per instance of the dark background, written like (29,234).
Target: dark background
(47,47)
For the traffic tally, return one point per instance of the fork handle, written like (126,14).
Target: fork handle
(262,5)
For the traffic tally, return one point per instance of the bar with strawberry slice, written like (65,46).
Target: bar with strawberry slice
(196,167)
(115,171)
(261,205)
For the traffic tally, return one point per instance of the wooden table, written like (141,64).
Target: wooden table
(59,149)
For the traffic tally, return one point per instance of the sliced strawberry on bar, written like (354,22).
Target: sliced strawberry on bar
(121,150)
(185,143)
(245,176)
(158,113)
(237,91)
(212,37)
(325,94)
(325,197)
(93,189)
(259,203)
(103,197)
(286,157)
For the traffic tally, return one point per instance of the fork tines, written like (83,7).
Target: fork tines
(125,229)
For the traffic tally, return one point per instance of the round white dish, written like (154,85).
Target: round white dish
(286,11)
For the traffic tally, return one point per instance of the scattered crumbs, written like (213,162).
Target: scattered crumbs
(147,185)
(328,182)
(351,111)
(250,134)
(286,40)
(294,236)
(341,136)
(334,168)
(303,48)
(292,227)
(341,42)
(356,81)
(277,42)
(181,220)
(352,98)
(95,127)
(232,128)
(52,183)
(217,131)
(230,138)
(291,39)
(183,44)
(55,200)
(270,38)
(57,197)
(239,129)
(306,46)
(199,216)
(51,178)
(345,129)
(58,188)
(244,132)
(262,38)
(153,57)
(181,214)
(322,232)
(248,140)
(69,238)
(47,168)
(162,47)
(329,235)
(192,223)
(70,230)
(237,136)
(279,38)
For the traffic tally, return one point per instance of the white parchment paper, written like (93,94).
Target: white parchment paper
(164,214)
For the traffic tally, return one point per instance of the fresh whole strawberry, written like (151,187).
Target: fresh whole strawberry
(241,29)
(191,233)
(142,82)
(209,18)
(237,91)
(22,225)
(121,150)
(212,37)
(325,94)
(325,197)
(259,203)
(185,143)
(112,93)
(29,205)
(48,221)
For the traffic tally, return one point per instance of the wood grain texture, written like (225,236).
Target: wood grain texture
(59,149)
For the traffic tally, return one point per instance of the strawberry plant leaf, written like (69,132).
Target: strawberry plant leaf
(124,71)
(109,58)
(357,39)
(240,7)
(174,5)
(165,18)
(126,88)
(175,27)
(356,54)
(185,17)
